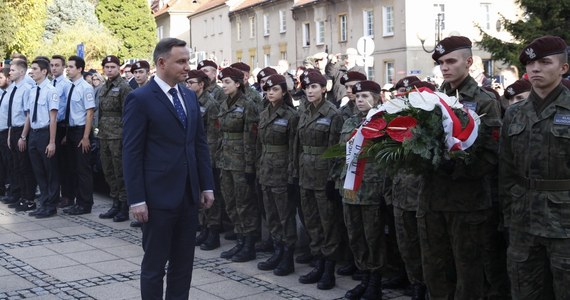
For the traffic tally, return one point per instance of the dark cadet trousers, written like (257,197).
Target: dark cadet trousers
(365,226)
(44,168)
(80,163)
(169,236)
(67,176)
(409,243)
(280,214)
(22,174)
(241,207)
(5,160)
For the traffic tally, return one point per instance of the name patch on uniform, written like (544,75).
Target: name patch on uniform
(470,105)
(202,110)
(560,119)
(238,109)
(115,89)
(281,122)
(324,121)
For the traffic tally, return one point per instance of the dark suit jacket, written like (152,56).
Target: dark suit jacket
(133,83)
(159,156)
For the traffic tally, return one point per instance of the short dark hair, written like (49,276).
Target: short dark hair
(60,57)
(42,63)
(79,62)
(127,66)
(164,47)
(6,71)
(42,58)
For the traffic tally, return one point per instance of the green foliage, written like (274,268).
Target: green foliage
(29,17)
(132,23)
(8,28)
(61,13)
(542,17)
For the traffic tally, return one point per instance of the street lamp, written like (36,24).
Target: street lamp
(438,23)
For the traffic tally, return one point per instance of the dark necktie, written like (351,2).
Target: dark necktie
(54,82)
(35,114)
(178,106)
(10,106)
(68,105)
(2,99)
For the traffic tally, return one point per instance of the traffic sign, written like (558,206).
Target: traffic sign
(365,46)
(81,50)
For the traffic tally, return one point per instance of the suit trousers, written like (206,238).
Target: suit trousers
(67,176)
(44,168)
(24,181)
(5,160)
(169,236)
(80,163)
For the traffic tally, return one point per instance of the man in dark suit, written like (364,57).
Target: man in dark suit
(167,171)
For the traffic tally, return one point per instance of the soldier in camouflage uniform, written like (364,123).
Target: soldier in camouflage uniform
(349,79)
(319,128)
(211,69)
(210,218)
(111,102)
(363,209)
(238,125)
(277,129)
(455,204)
(535,176)
(250,92)
(261,79)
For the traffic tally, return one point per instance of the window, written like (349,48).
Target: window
(267,59)
(205,27)
(306,35)
(252,60)
(370,72)
(486,16)
(220,30)
(238,31)
(160,32)
(213,26)
(283,55)
(342,28)
(388,18)
(389,70)
(320,25)
(251,27)
(368,17)
(439,12)
(282,21)
(265,25)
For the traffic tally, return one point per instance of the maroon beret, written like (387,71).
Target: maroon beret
(426,85)
(197,74)
(450,44)
(265,72)
(207,63)
(111,59)
(366,86)
(141,64)
(352,76)
(273,80)
(406,82)
(313,76)
(566,83)
(241,66)
(233,73)
(519,86)
(542,47)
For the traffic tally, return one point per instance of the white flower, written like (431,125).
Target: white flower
(394,106)
(450,100)
(424,100)
(373,111)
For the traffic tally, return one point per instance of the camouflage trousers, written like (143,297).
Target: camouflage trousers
(409,243)
(322,221)
(452,258)
(112,165)
(212,217)
(539,267)
(365,226)
(495,258)
(280,214)
(240,205)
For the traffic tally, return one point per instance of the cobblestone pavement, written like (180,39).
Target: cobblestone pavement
(84,257)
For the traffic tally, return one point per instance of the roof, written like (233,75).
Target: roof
(179,6)
(245,4)
(300,3)
(209,5)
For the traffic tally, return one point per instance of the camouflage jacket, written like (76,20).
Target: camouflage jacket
(238,119)
(319,128)
(112,97)
(209,110)
(216,92)
(406,189)
(374,181)
(535,165)
(348,110)
(465,185)
(277,129)
(253,95)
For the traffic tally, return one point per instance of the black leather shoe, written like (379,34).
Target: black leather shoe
(212,242)
(357,292)
(304,258)
(10,200)
(16,204)
(70,208)
(26,206)
(36,211)
(65,202)
(328,279)
(46,214)
(347,270)
(247,252)
(316,273)
(136,223)
(123,214)
(79,210)
(201,238)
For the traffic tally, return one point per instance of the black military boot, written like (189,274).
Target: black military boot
(287,264)
(213,240)
(240,241)
(374,288)
(265,245)
(316,273)
(123,214)
(272,262)
(347,269)
(418,291)
(201,238)
(304,258)
(399,281)
(358,290)
(328,280)
(112,212)
(247,252)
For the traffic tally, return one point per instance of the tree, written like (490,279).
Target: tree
(29,17)
(541,17)
(68,12)
(132,23)
(8,28)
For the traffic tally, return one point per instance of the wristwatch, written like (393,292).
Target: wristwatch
(23,138)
